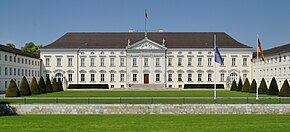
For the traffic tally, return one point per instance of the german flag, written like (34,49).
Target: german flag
(261,51)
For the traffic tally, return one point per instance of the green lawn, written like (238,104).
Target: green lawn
(122,123)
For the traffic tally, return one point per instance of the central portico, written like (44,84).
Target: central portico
(146,62)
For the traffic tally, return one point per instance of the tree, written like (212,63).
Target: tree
(12,90)
(31,47)
(54,85)
(48,86)
(10,45)
(273,88)
(34,87)
(24,87)
(240,85)
(246,86)
(59,84)
(285,89)
(228,82)
(234,86)
(253,88)
(41,85)
(263,87)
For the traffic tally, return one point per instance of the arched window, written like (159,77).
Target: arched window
(59,76)
(234,76)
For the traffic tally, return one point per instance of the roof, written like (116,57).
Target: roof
(277,50)
(103,40)
(18,51)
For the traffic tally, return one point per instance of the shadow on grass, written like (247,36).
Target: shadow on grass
(6,109)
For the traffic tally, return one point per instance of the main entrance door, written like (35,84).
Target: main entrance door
(146,78)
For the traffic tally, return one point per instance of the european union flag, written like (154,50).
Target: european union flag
(217,56)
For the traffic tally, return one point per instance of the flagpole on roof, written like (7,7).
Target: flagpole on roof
(214,69)
(257,91)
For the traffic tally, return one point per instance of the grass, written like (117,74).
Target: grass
(197,123)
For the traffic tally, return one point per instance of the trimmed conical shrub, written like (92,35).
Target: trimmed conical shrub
(41,85)
(253,88)
(48,86)
(54,85)
(273,88)
(34,87)
(24,88)
(59,84)
(234,86)
(246,86)
(263,87)
(12,90)
(285,89)
(240,85)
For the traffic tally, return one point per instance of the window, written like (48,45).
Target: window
(233,61)
(58,62)
(69,61)
(134,61)
(169,61)
(189,77)
(244,76)
(209,61)
(134,77)
(69,77)
(32,62)
(179,61)
(112,61)
(29,62)
(93,61)
(6,70)
(5,57)
(169,77)
(18,60)
(179,77)
(199,77)
(122,61)
(102,61)
(47,61)
(82,77)
(5,84)
(157,63)
(122,77)
(157,77)
(199,61)
(209,77)
(122,86)
(189,61)
(92,77)
(14,71)
(25,61)
(10,58)
(245,60)
(14,58)
(222,77)
(82,62)
(145,61)
(22,72)
(112,86)
(10,71)
(17,70)
(102,77)
(25,72)
(112,77)
(233,76)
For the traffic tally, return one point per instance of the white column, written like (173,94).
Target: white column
(128,69)
(163,68)
(151,79)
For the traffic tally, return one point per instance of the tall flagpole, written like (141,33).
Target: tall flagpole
(214,69)
(257,91)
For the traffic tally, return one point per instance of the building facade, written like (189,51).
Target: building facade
(278,65)
(168,59)
(14,64)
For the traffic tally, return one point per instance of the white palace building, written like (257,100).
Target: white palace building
(127,59)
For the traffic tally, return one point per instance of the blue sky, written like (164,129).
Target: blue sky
(44,21)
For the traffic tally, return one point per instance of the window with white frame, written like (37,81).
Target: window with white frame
(157,62)
(169,77)
(245,76)
(69,77)
(58,62)
(93,61)
(234,76)
(47,61)
(169,61)
(83,77)
(122,77)
(92,77)
(179,61)
(112,77)
(179,77)
(134,77)
(189,61)
(199,61)
(17,70)
(145,61)
(6,70)
(134,61)
(157,77)
(69,61)
(233,61)
(102,61)
(10,71)
(189,77)
(122,61)
(102,77)
(82,62)
(245,60)
(209,77)
(112,61)
(222,77)
(199,77)
(209,60)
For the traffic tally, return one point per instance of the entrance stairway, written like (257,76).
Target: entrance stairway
(147,87)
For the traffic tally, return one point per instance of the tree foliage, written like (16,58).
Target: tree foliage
(273,88)
(246,87)
(285,89)
(31,47)
(10,45)
(48,86)
(54,85)
(253,88)
(240,85)
(24,87)
(41,85)
(34,87)
(234,86)
(12,90)
(263,87)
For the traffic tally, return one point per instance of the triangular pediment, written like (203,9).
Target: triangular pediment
(146,44)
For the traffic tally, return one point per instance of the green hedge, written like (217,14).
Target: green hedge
(88,86)
(203,86)
(12,90)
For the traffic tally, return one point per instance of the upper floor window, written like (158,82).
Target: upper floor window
(199,61)
(169,77)
(82,61)
(169,61)
(209,60)
(245,60)
(112,61)
(47,61)
(189,61)
(179,61)
(145,61)
(5,57)
(233,61)
(134,61)
(58,62)
(10,58)
(102,61)
(122,61)
(93,61)
(157,63)
(69,61)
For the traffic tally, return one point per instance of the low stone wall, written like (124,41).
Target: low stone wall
(146,108)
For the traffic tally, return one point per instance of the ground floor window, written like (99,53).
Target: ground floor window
(102,77)
(209,77)
(82,77)
(134,77)
(59,76)
(46,75)
(179,86)
(112,77)
(112,86)
(199,77)
(70,77)
(157,77)
(92,77)
(245,76)
(122,77)
(222,77)
(179,77)
(169,77)
(189,77)
(122,86)
(234,76)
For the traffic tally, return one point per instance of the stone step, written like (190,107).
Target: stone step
(146,87)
